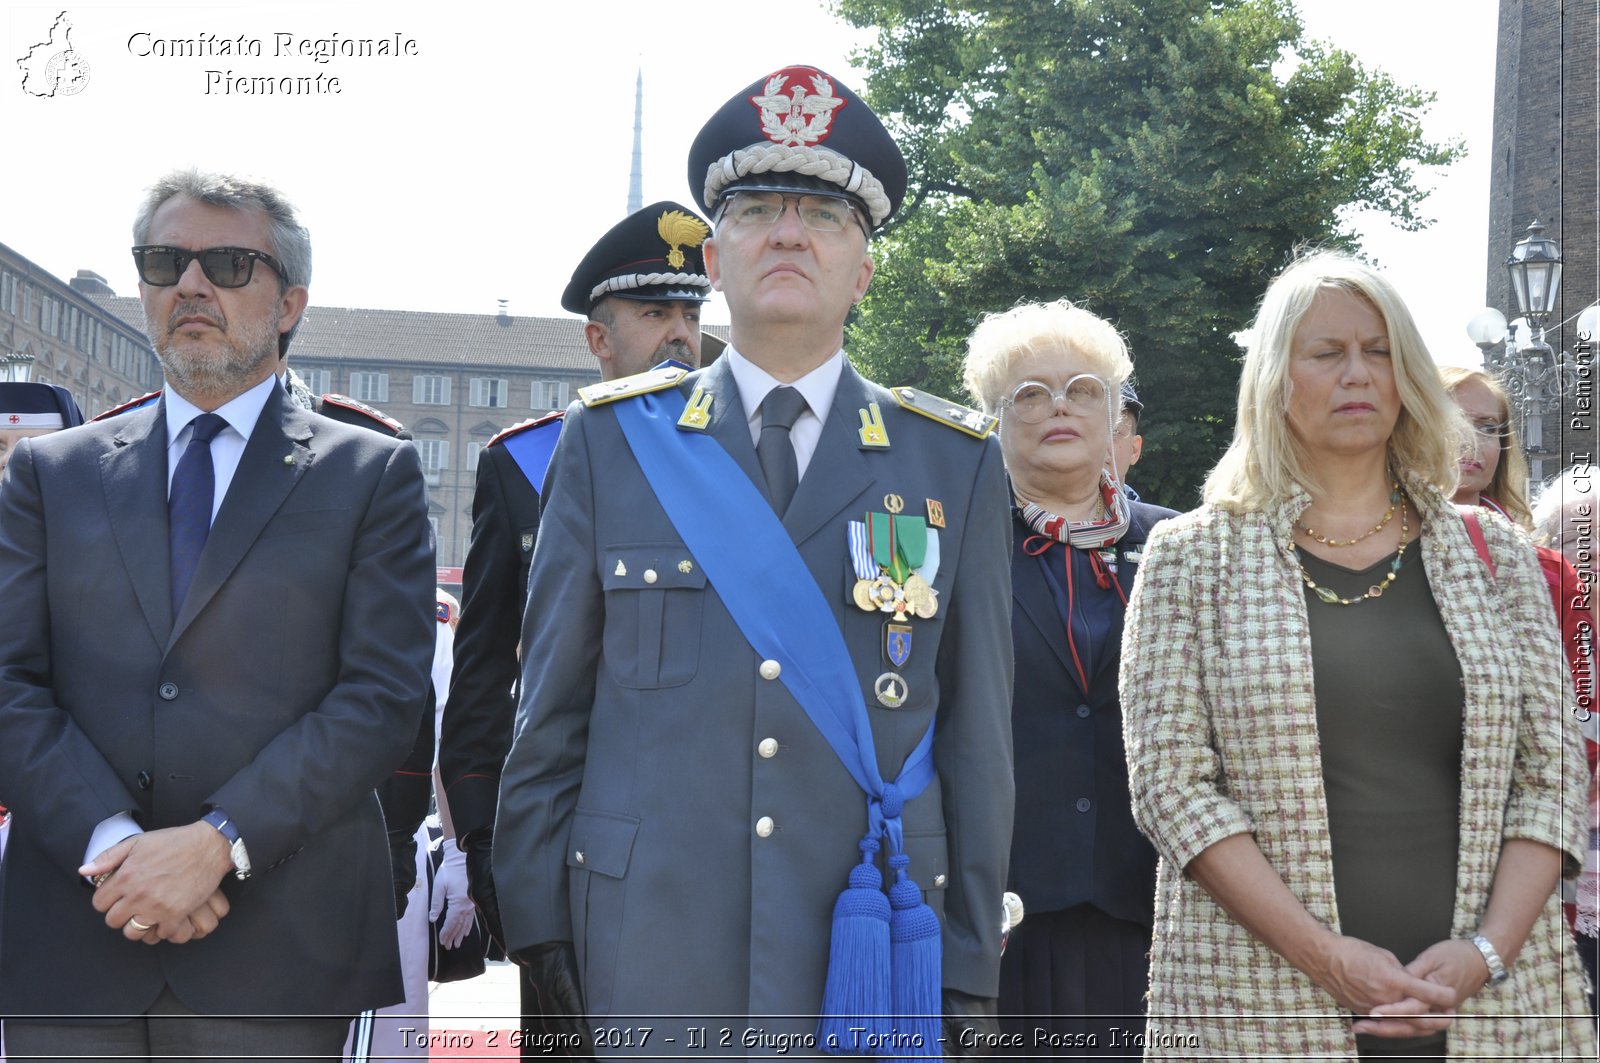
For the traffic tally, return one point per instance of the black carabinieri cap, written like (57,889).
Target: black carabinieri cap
(653,255)
(799,128)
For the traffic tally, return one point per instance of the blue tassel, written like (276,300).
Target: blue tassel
(917,971)
(855,1003)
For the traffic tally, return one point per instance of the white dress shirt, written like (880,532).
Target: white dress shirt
(817,386)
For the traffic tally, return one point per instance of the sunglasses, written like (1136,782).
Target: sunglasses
(226,267)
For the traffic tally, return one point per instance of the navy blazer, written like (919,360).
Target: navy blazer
(1074,840)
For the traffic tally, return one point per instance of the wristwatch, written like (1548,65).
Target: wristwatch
(236,850)
(1497,969)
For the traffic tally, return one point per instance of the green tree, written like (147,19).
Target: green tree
(1155,163)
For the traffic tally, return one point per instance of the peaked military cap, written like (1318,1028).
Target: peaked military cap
(1130,399)
(799,127)
(653,254)
(33,405)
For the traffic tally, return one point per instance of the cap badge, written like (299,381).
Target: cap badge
(793,115)
(680,229)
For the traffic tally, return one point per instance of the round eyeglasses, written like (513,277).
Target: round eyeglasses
(1032,402)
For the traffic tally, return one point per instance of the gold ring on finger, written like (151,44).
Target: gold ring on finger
(140,927)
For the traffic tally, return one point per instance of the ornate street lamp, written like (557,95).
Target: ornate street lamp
(1535,268)
(1534,375)
(16,368)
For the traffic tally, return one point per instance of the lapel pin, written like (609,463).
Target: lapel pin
(935,513)
(288,459)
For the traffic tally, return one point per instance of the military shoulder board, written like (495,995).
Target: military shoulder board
(961,418)
(629,386)
(354,411)
(128,407)
(523,426)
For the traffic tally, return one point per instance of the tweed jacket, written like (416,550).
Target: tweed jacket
(1221,732)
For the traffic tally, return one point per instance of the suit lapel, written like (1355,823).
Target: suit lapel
(134,480)
(728,424)
(260,484)
(838,473)
(1033,597)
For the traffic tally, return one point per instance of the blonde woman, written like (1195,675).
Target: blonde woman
(1362,790)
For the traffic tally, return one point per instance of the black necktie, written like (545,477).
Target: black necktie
(189,505)
(779,411)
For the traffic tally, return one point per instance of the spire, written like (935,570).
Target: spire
(636,176)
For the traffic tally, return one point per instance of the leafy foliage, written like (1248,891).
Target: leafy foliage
(1155,163)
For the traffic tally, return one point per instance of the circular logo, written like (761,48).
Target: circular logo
(68,72)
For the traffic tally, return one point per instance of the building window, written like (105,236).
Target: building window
(316,380)
(549,395)
(27,304)
(488,391)
(430,390)
(8,293)
(473,450)
(435,455)
(369,387)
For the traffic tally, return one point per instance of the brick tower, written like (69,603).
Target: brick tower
(1544,166)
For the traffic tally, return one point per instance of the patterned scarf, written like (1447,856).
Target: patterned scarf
(1084,534)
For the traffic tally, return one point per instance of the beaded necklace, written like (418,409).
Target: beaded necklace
(1374,591)
(1394,501)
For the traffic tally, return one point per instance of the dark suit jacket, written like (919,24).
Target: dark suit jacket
(284,691)
(476,734)
(1074,841)
(632,802)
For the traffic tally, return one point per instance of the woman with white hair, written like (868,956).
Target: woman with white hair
(1075,972)
(1362,789)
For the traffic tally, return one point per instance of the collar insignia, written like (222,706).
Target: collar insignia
(873,433)
(697,414)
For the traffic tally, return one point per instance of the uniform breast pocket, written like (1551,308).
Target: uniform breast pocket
(655,601)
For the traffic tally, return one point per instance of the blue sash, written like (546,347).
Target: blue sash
(531,450)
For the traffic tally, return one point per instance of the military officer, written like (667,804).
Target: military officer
(641,286)
(756,588)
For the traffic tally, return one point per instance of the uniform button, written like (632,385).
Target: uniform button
(768,748)
(650,575)
(938,882)
(1083,710)
(168,691)
(770,669)
(143,779)
(1083,804)
(764,827)
(577,857)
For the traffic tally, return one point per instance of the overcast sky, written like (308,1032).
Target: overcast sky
(483,166)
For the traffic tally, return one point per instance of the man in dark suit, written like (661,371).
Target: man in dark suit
(641,287)
(220,643)
(670,798)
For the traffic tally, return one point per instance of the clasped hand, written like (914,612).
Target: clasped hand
(167,880)
(1396,1000)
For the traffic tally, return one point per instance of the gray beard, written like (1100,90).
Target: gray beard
(202,372)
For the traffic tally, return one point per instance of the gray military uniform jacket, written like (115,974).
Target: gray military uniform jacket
(669,807)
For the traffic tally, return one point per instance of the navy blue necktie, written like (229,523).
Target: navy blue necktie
(189,505)
(774,449)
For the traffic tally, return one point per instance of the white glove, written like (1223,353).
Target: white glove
(450,885)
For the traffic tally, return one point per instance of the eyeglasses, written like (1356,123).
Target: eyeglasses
(1492,429)
(819,213)
(1033,402)
(226,267)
